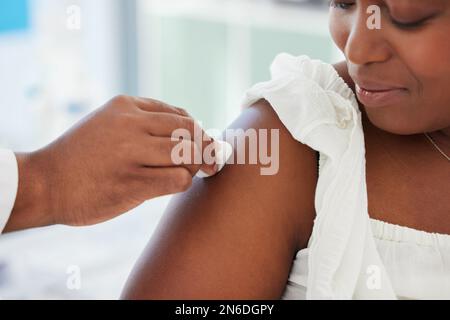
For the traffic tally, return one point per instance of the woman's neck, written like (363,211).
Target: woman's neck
(442,137)
(446,132)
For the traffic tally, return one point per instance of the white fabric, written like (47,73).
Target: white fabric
(9,177)
(417,262)
(224,151)
(321,111)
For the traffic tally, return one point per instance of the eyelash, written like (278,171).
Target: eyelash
(409,25)
(343,5)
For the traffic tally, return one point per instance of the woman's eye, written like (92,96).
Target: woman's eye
(344,5)
(409,25)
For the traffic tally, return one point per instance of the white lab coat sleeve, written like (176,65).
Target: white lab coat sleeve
(9,182)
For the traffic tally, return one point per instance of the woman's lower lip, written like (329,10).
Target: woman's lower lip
(379,98)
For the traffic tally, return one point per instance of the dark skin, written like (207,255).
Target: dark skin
(219,240)
(235,236)
(406,176)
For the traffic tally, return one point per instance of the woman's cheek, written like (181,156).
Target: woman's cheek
(338,31)
(427,54)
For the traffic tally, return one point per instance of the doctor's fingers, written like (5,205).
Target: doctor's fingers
(167,124)
(152,105)
(177,127)
(165,152)
(156,182)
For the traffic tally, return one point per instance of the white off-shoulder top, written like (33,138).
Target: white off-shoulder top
(417,262)
(349,255)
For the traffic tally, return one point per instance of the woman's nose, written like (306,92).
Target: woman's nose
(366,44)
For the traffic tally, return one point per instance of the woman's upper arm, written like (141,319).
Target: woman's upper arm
(233,236)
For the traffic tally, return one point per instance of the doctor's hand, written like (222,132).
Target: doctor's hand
(112,161)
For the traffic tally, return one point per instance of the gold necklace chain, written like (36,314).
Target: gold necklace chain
(436,146)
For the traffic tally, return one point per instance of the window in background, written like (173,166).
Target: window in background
(16,69)
(203,54)
(51,73)
(14,16)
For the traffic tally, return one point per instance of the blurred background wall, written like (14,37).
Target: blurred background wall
(204,53)
(61,59)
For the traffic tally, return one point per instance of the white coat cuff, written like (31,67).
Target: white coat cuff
(9,182)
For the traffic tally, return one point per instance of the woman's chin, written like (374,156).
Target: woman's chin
(390,123)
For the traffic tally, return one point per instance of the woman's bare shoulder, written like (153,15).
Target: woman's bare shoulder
(233,236)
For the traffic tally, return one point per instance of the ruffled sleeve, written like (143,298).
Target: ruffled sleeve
(321,111)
